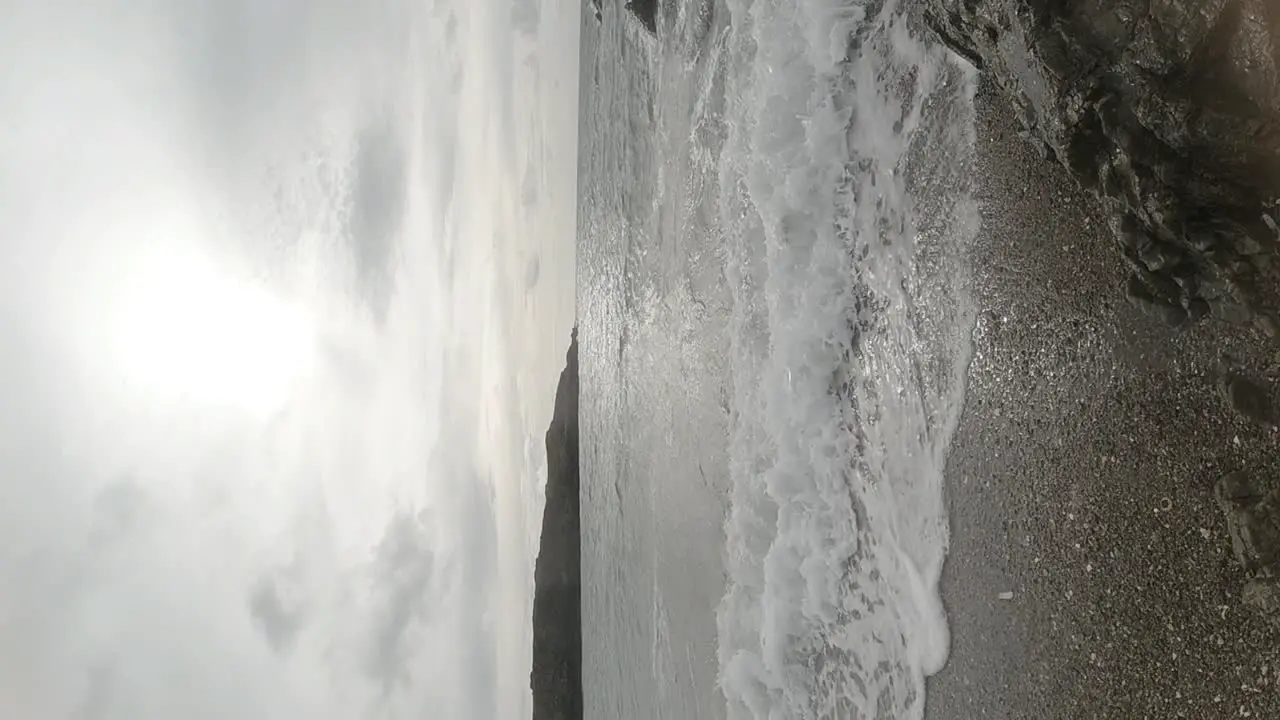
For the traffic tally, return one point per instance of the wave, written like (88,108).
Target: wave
(844,196)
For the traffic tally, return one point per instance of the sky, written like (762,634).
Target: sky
(287,286)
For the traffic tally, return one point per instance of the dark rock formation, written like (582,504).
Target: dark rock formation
(556,678)
(1250,399)
(1253,521)
(646,11)
(1253,515)
(1168,110)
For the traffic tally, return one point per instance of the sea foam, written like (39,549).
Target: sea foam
(845,200)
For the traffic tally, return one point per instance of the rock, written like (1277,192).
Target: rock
(1159,257)
(1253,522)
(556,677)
(1169,111)
(1230,312)
(1267,325)
(1263,595)
(646,11)
(1249,398)
(1142,297)
(1197,308)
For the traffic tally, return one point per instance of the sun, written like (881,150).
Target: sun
(186,330)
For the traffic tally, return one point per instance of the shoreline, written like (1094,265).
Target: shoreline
(1080,478)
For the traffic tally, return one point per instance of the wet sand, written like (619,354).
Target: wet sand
(1080,480)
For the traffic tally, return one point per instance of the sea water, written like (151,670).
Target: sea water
(774,304)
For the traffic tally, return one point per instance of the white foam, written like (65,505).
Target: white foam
(849,351)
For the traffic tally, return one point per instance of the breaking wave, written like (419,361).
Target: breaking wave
(845,198)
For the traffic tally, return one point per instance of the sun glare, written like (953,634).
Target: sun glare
(188,332)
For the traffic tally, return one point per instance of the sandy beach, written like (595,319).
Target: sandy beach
(1090,573)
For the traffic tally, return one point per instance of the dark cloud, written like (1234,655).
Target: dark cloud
(451,29)
(276,609)
(377,210)
(403,576)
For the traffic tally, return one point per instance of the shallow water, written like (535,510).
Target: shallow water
(775,315)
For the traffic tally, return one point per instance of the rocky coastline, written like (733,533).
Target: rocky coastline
(556,677)
(1169,112)
(1091,571)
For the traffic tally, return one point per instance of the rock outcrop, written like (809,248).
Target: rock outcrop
(1168,110)
(1253,522)
(646,11)
(1252,512)
(556,678)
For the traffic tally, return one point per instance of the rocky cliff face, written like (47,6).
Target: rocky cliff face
(1169,110)
(556,678)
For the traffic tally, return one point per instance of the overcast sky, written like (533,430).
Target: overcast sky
(285,290)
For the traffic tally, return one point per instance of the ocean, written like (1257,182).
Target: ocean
(775,317)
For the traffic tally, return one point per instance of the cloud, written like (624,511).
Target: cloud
(479,654)
(525,16)
(403,573)
(529,187)
(377,206)
(275,605)
(329,167)
(532,271)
